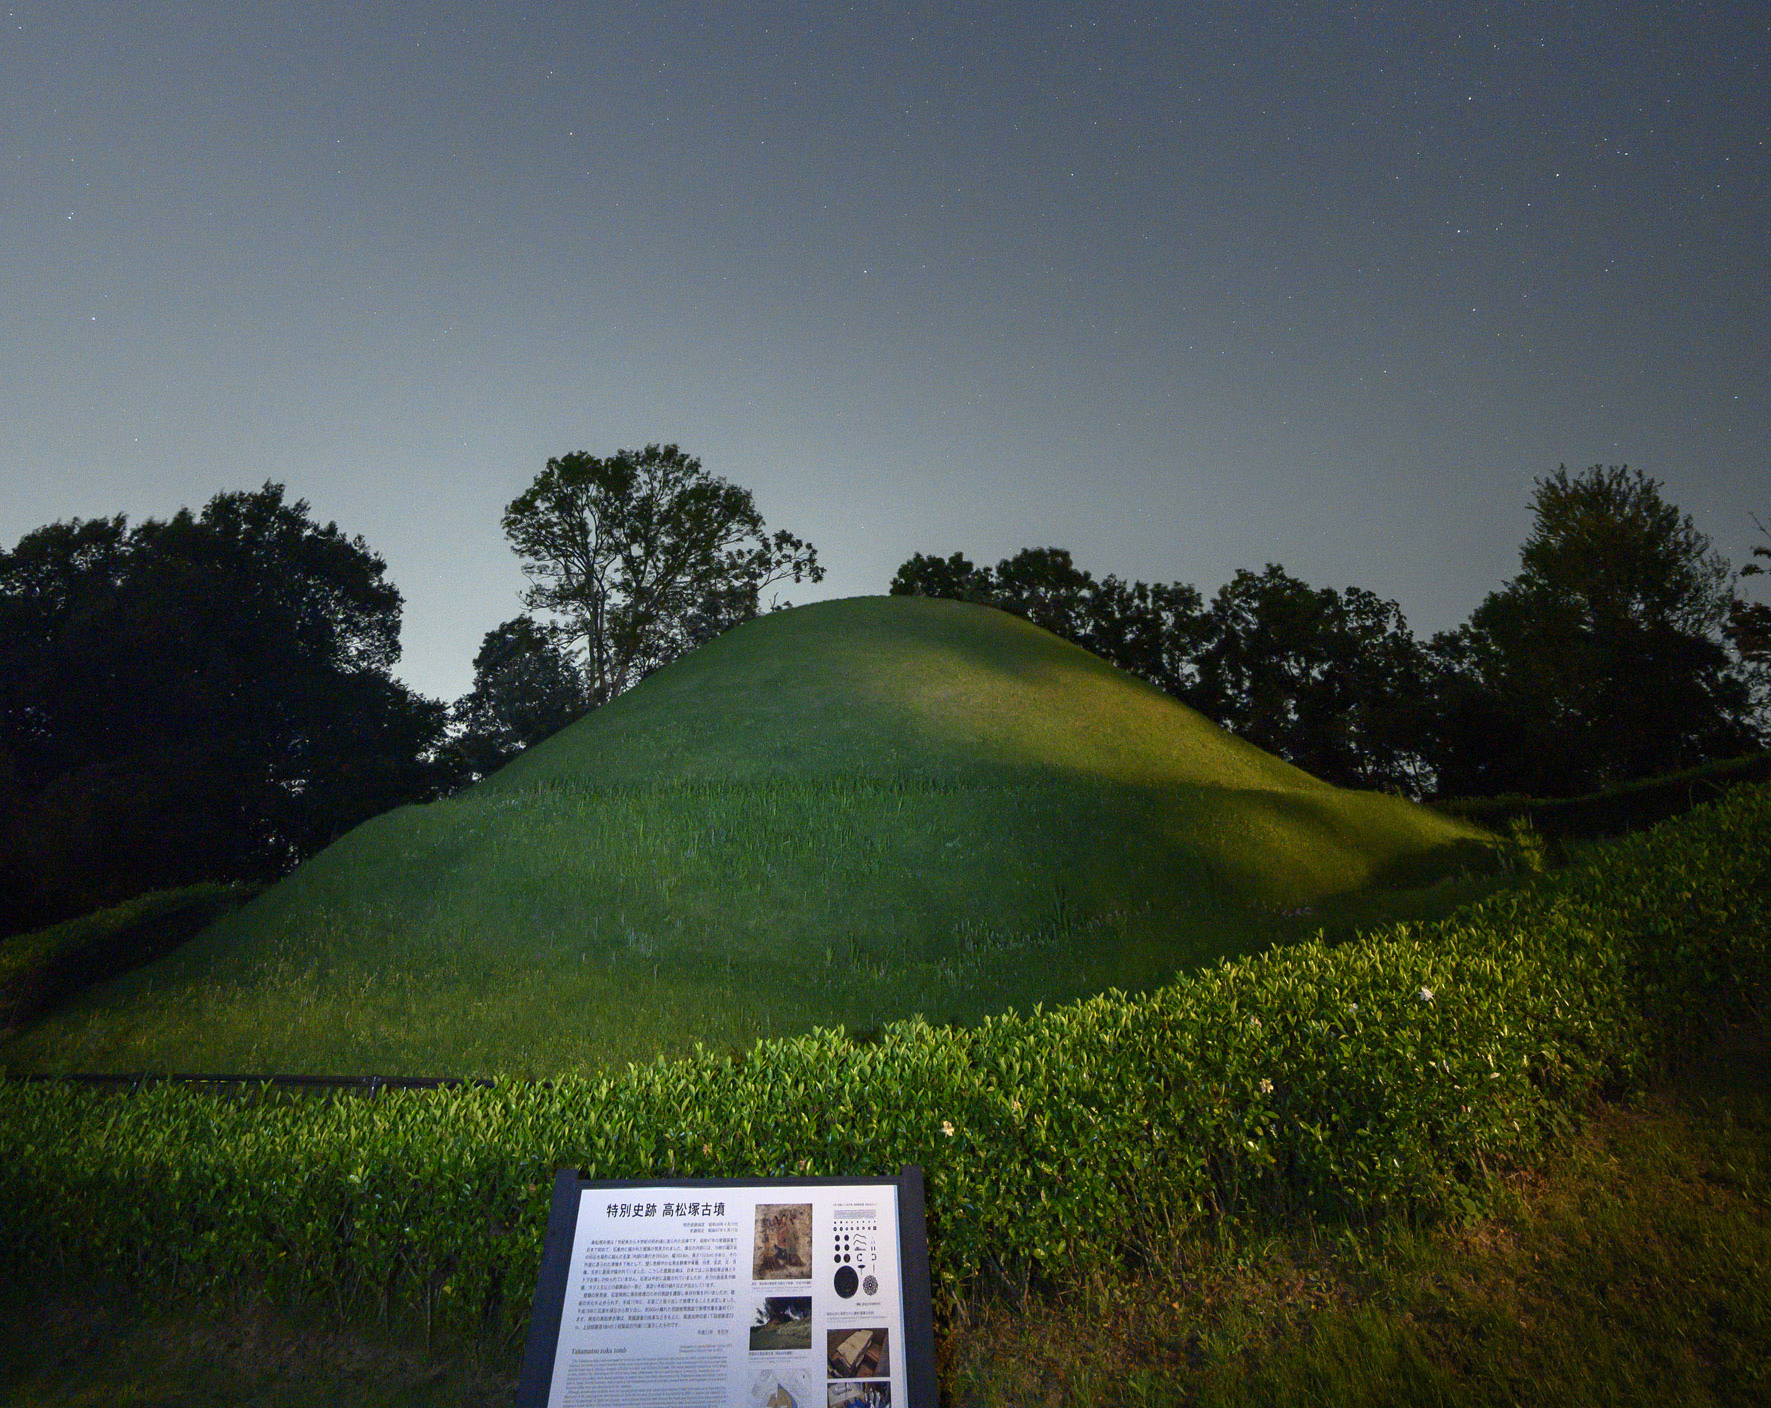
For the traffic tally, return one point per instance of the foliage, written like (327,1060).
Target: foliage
(1633,806)
(1603,660)
(1152,632)
(201,698)
(1329,681)
(1524,1304)
(525,689)
(1749,622)
(1526,851)
(953,578)
(644,555)
(1629,1272)
(1389,1075)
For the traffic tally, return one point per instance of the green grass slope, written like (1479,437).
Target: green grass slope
(40,970)
(840,814)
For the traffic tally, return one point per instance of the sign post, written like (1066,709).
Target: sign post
(747,1293)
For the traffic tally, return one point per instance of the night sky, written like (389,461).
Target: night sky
(1184,290)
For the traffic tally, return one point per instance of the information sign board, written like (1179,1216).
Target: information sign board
(748,1293)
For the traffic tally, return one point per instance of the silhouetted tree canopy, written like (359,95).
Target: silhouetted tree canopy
(643,555)
(1149,631)
(201,698)
(1603,660)
(1330,681)
(952,578)
(525,689)
(1749,622)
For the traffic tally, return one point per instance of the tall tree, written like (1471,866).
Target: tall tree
(205,697)
(1150,631)
(953,578)
(1048,589)
(1327,680)
(525,689)
(1603,660)
(642,555)
(1749,622)
(1155,631)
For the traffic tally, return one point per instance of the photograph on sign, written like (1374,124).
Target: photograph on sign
(874,1394)
(858,1354)
(782,1322)
(783,1250)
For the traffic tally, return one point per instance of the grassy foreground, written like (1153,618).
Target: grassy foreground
(1628,1271)
(841,815)
(1385,1079)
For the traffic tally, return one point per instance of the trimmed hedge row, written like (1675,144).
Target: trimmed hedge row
(1631,806)
(1384,1075)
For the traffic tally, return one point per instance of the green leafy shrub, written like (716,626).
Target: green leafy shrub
(1525,849)
(1387,1075)
(1630,806)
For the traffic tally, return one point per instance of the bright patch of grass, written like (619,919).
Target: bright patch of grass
(841,815)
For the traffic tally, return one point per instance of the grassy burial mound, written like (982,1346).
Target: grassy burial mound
(846,813)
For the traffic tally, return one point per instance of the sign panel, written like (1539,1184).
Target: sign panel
(696,1293)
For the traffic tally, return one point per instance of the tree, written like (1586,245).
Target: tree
(1047,588)
(525,689)
(1603,660)
(1154,631)
(201,698)
(1749,622)
(643,555)
(1149,631)
(1329,681)
(953,578)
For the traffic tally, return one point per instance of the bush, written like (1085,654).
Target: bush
(1633,806)
(1388,1075)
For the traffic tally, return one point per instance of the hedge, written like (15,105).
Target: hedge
(1386,1075)
(1631,806)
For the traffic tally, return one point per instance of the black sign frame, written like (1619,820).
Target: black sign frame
(569,1185)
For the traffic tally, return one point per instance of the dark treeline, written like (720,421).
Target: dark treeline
(202,698)
(1607,658)
(1331,681)
(210,697)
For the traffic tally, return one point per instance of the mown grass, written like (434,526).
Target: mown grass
(41,969)
(1629,1270)
(842,815)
